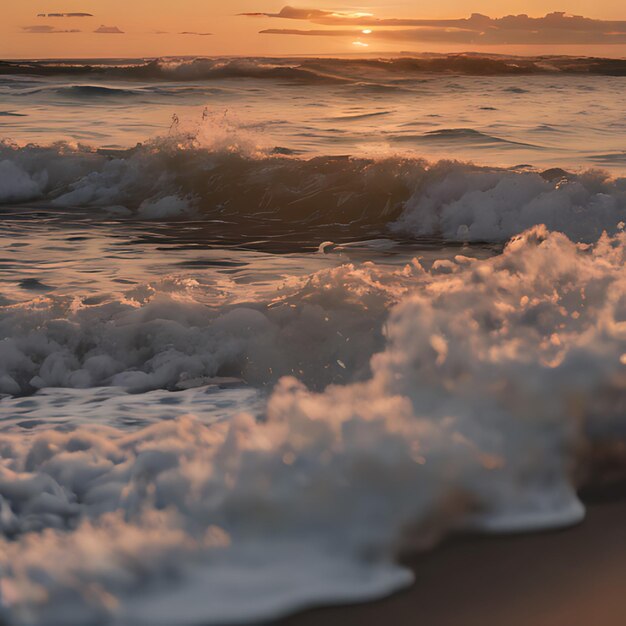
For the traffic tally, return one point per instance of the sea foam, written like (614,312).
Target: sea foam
(493,380)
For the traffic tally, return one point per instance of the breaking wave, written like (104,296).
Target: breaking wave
(491,387)
(318,70)
(181,70)
(231,179)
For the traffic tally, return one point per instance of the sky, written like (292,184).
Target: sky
(138,28)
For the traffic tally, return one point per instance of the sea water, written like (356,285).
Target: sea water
(267,323)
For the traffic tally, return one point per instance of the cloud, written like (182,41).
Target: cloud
(293,13)
(108,30)
(64,15)
(460,36)
(184,32)
(553,28)
(319,16)
(44,29)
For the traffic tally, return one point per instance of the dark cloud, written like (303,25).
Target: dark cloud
(189,32)
(45,29)
(108,30)
(293,13)
(554,28)
(64,15)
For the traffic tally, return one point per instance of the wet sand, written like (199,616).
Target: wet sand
(573,577)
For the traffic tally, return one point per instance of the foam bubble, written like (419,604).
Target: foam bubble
(164,208)
(492,376)
(161,335)
(489,205)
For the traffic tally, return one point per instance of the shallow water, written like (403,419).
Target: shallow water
(233,349)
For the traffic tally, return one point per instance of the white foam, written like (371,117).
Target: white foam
(492,375)
(471,204)
(18,185)
(162,335)
(163,208)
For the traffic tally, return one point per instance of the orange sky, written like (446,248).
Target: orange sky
(142,19)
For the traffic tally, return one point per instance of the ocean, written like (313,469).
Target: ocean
(267,324)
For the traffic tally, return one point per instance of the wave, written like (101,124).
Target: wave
(460,135)
(163,334)
(232,180)
(611,157)
(319,70)
(494,384)
(359,116)
(82,91)
(182,70)
(89,91)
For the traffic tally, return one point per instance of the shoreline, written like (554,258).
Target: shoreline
(569,577)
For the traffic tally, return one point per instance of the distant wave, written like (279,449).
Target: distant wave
(88,92)
(516,90)
(94,90)
(462,135)
(170,179)
(181,70)
(84,91)
(319,70)
(611,157)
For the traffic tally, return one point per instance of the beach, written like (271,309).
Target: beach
(570,577)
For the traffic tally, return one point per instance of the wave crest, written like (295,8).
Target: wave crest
(319,70)
(233,180)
